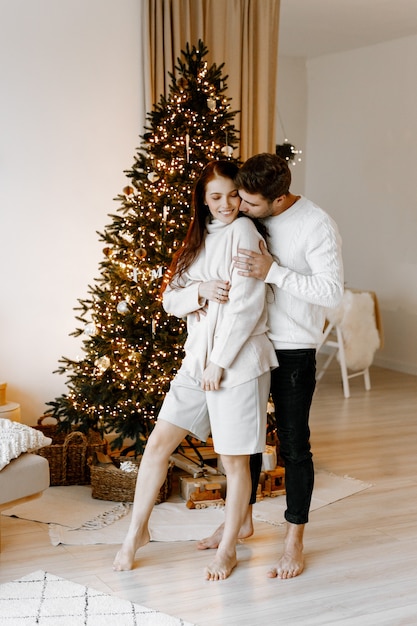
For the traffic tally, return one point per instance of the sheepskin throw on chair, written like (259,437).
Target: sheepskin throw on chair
(355,316)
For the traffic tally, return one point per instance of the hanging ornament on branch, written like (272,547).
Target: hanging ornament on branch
(140,253)
(187,147)
(227,150)
(211,103)
(90,329)
(153,177)
(102,364)
(182,83)
(123,307)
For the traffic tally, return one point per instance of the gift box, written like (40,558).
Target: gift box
(269,458)
(188,484)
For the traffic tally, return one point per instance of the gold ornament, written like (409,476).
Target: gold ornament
(140,253)
(182,83)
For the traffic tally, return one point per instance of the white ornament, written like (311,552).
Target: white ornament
(187,147)
(153,177)
(227,150)
(90,329)
(123,307)
(102,363)
(211,103)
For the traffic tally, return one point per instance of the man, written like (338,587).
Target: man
(304,270)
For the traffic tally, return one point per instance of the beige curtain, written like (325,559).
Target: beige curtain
(242,34)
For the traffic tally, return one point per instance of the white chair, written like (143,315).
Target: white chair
(353,333)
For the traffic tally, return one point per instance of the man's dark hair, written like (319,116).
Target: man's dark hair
(265,174)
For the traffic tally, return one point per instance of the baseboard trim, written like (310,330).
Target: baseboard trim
(389,364)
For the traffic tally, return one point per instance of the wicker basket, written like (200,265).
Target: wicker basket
(68,454)
(109,482)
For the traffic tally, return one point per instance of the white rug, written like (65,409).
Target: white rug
(75,518)
(45,600)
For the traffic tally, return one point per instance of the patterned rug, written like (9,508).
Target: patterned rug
(46,600)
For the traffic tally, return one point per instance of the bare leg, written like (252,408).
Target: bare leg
(238,493)
(291,563)
(163,440)
(212,542)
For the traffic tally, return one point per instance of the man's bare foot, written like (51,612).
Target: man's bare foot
(222,566)
(288,566)
(126,555)
(291,563)
(213,542)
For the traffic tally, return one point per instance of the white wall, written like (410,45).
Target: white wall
(361,157)
(70,117)
(292,113)
(354,116)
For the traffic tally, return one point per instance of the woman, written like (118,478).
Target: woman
(222,386)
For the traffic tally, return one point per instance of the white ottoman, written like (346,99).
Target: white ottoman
(28,475)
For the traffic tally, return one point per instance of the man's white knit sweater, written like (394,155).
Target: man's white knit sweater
(306,276)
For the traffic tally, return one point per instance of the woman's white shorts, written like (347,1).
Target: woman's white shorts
(235,416)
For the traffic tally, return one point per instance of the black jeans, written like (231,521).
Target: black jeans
(292,389)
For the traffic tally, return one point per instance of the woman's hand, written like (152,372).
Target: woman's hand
(212,376)
(215,290)
(199,313)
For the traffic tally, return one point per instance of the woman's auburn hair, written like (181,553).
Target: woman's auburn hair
(194,238)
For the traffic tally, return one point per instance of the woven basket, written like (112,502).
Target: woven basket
(109,482)
(68,454)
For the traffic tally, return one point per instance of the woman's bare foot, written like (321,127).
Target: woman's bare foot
(213,542)
(126,555)
(222,566)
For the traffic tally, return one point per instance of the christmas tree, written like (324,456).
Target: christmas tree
(132,348)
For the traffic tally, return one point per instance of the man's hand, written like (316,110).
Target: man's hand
(212,376)
(253,264)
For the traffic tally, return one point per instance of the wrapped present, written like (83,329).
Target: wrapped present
(188,484)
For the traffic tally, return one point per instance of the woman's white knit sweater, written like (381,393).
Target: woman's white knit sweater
(231,335)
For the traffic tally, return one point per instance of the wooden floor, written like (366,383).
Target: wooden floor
(361,552)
